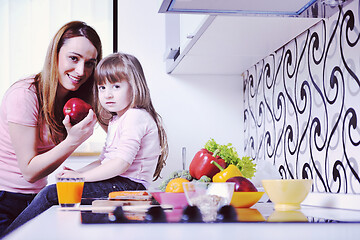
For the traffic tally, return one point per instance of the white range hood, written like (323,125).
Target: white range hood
(292,8)
(233,35)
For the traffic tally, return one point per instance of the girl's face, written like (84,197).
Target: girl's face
(115,97)
(77,59)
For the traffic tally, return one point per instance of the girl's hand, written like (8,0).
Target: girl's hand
(67,168)
(70,174)
(61,173)
(80,132)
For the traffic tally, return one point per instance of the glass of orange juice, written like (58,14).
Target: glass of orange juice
(69,191)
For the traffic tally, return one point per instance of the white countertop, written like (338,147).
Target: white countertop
(59,224)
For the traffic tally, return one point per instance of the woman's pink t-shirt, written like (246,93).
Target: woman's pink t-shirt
(19,105)
(134,138)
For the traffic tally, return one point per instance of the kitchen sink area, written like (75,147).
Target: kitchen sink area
(259,213)
(257,222)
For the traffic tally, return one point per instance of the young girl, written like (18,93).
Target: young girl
(34,139)
(136,146)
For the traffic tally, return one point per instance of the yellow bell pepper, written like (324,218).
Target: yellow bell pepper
(225,174)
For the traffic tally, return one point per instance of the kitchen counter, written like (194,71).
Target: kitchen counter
(58,224)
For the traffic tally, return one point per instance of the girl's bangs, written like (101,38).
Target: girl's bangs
(108,71)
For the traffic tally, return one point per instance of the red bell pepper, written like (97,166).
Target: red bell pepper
(201,164)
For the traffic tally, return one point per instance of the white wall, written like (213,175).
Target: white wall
(26,28)
(194,108)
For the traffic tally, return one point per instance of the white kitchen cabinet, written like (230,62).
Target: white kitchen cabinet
(232,36)
(189,26)
(226,44)
(181,31)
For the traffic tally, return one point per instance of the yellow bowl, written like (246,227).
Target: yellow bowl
(287,194)
(245,199)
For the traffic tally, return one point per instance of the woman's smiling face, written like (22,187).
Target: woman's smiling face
(77,60)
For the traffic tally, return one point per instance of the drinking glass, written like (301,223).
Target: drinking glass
(69,191)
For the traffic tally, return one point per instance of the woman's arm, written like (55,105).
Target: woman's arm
(35,166)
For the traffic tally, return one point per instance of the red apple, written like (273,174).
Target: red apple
(77,110)
(242,184)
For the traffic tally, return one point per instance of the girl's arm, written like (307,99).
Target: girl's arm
(78,172)
(89,166)
(106,170)
(35,166)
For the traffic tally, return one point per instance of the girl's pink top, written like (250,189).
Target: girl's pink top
(134,138)
(19,105)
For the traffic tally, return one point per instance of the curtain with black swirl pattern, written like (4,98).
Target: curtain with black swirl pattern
(302,104)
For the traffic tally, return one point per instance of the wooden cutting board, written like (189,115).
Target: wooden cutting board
(116,203)
(108,209)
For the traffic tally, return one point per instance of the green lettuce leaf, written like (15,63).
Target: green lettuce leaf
(211,145)
(229,154)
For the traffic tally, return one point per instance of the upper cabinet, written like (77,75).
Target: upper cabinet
(230,44)
(211,42)
(290,8)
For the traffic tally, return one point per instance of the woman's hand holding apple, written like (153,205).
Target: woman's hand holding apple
(81,131)
(76,109)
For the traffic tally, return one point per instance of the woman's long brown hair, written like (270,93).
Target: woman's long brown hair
(119,66)
(46,82)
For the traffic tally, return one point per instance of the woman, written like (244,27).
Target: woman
(136,146)
(36,138)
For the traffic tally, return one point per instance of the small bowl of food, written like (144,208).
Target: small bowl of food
(174,194)
(245,199)
(245,193)
(176,200)
(287,194)
(208,197)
